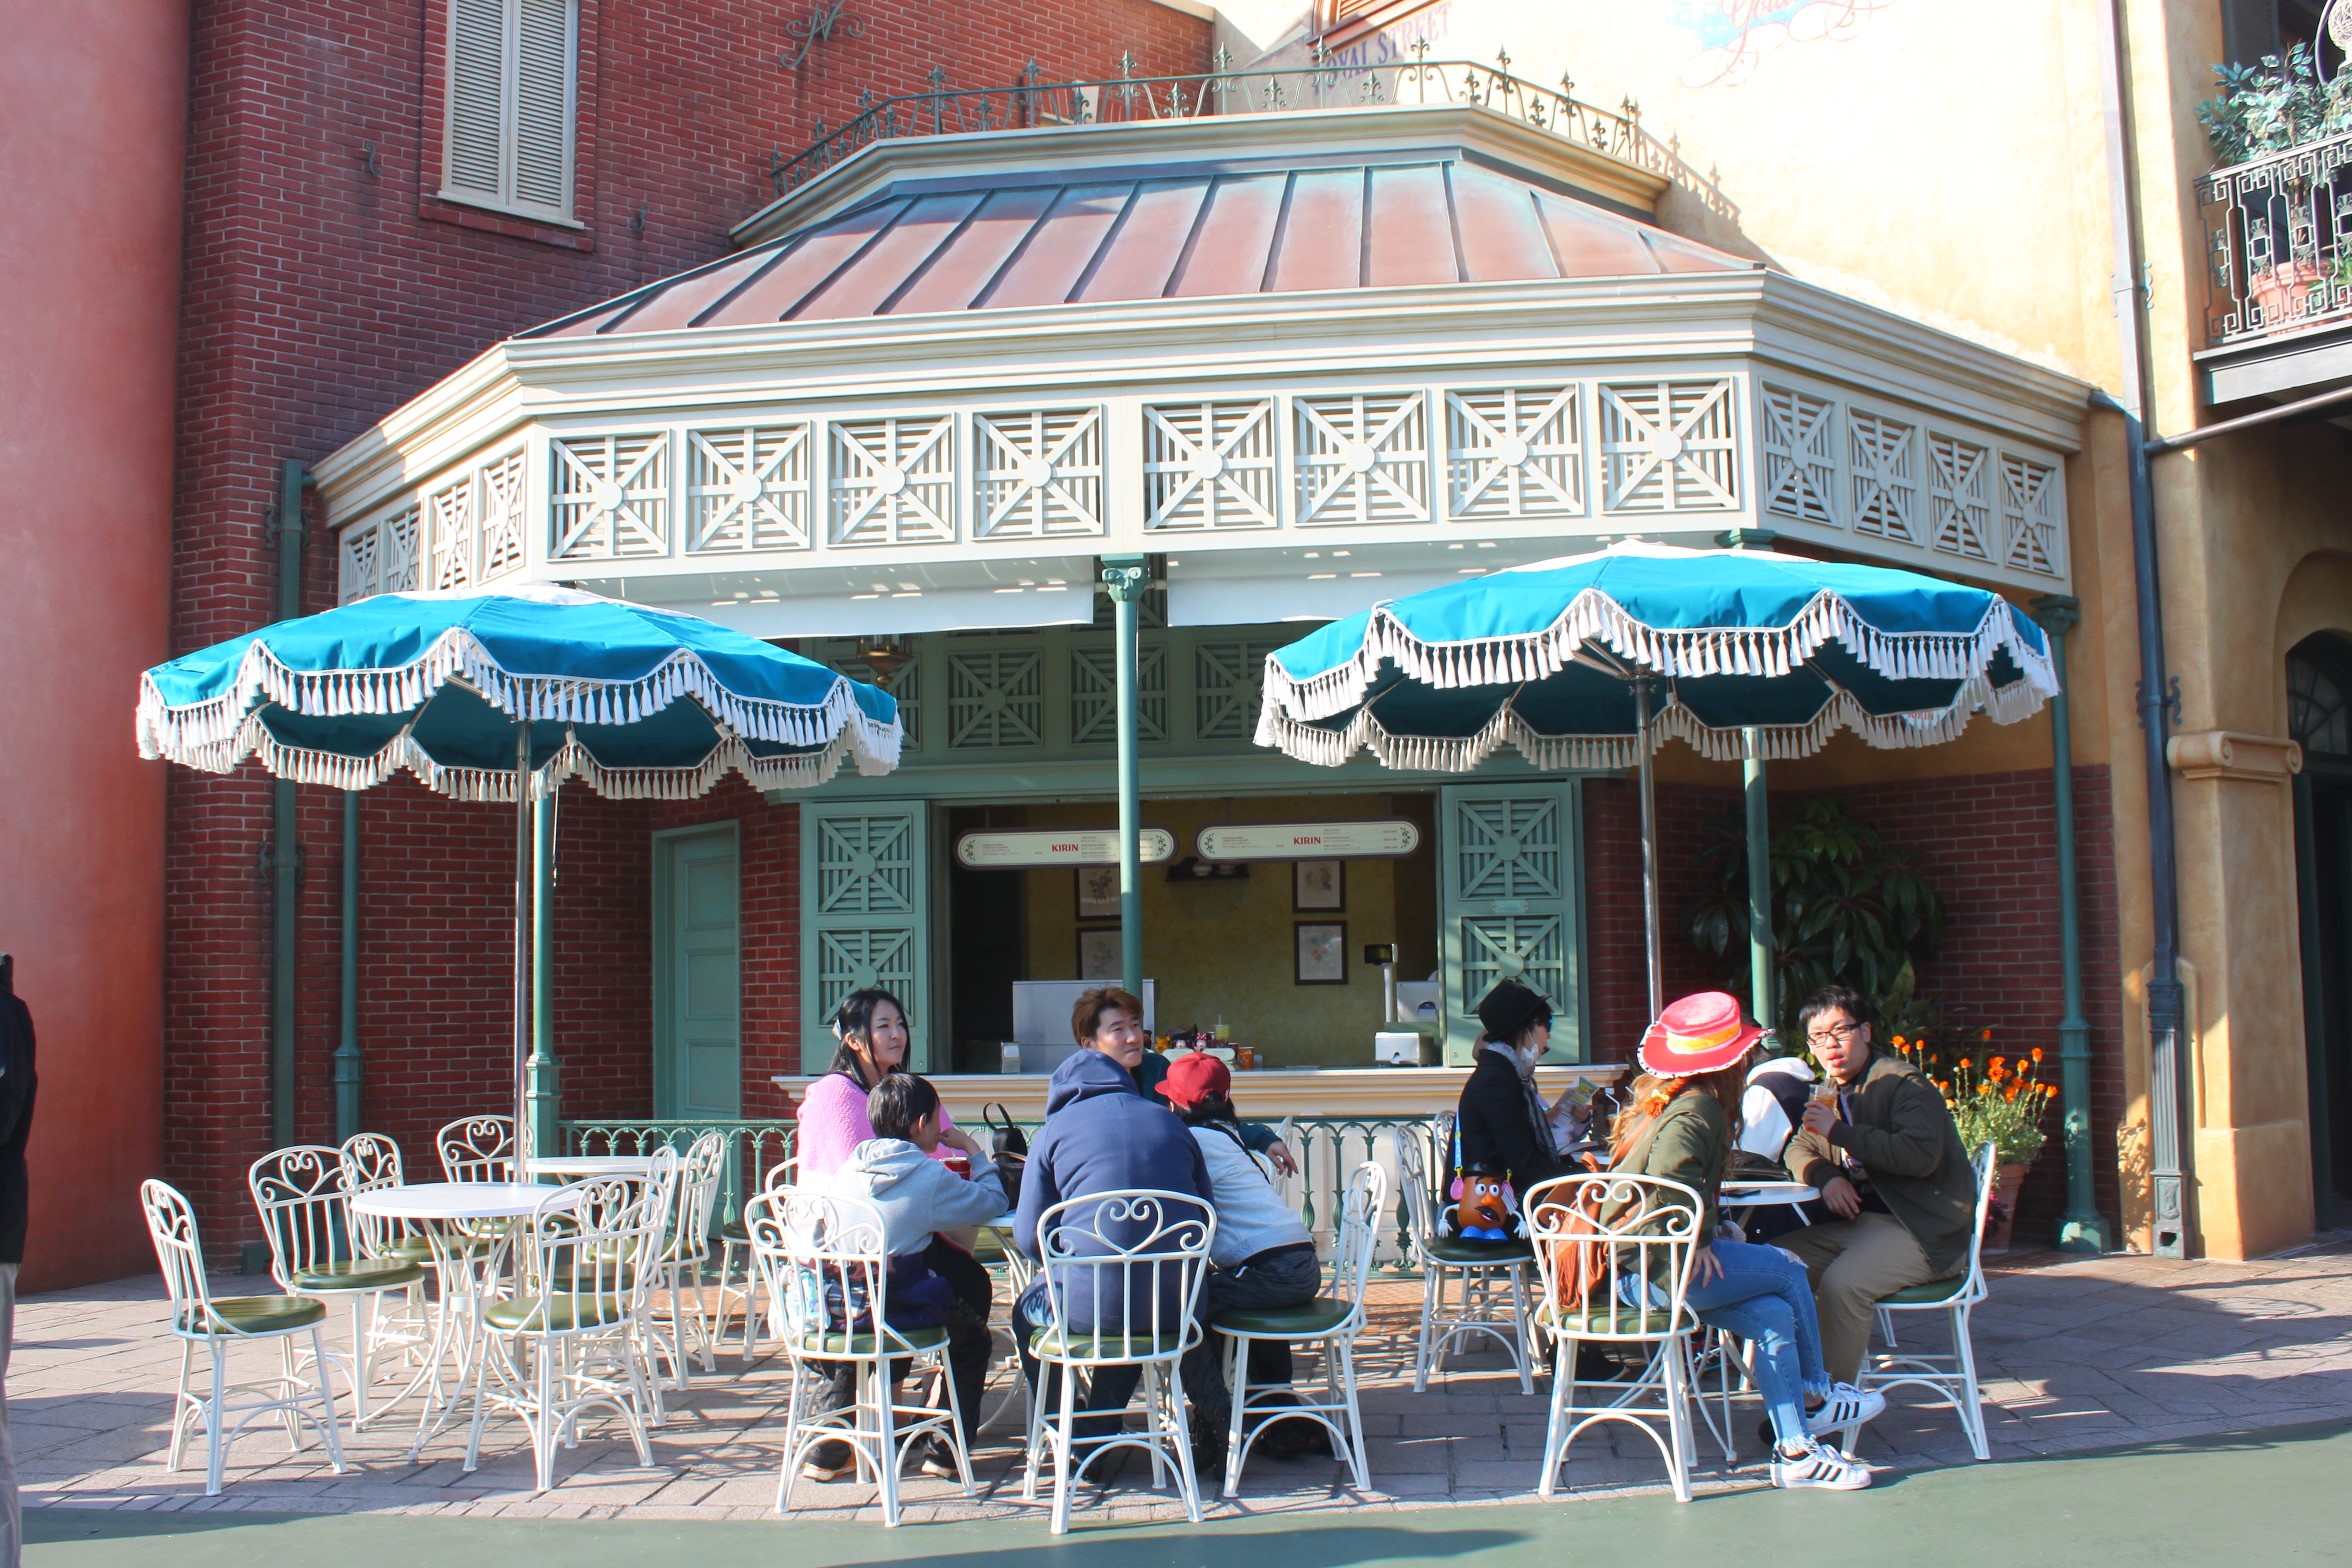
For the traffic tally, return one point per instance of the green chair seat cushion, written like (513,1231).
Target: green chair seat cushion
(1934,1293)
(1320,1316)
(259,1315)
(737,1232)
(835,1343)
(413,1249)
(560,1314)
(1614,1320)
(360,1274)
(1444,1249)
(1087,1347)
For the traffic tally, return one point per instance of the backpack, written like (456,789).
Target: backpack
(1580,1259)
(1012,1151)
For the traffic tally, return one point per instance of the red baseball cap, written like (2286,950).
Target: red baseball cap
(1192,1079)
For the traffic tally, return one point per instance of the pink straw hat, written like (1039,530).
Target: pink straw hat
(1701,1033)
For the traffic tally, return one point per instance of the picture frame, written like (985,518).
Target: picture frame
(1099,955)
(1320,953)
(1098,892)
(1318,885)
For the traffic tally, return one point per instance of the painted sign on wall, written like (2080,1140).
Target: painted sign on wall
(1015,850)
(1379,838)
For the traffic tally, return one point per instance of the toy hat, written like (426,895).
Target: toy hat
(1192,1079)
(1701,1033)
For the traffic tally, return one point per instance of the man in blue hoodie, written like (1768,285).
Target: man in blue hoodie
(1101,1135)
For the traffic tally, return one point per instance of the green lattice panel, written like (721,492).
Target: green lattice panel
(1530,948)
(853,960)
(995,699)
(1508,848)
(1094,695)
(1229,682)
(866,865)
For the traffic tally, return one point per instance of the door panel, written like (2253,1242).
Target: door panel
(865,915)
(1511,904)
(700,975)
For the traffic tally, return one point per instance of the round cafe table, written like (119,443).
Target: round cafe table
(449,1214)
(577,1166)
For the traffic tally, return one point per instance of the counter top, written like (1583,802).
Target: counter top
(1262,1095)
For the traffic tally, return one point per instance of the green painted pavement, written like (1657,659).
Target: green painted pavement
(2277,1494)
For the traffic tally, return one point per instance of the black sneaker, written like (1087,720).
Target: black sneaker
(938,1459)
(829,1461)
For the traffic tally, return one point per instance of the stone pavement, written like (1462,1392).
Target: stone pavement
(2076,1354)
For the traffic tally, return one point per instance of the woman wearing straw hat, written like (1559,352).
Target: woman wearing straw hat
(1684,1107)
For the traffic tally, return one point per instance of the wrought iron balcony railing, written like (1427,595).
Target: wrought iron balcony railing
(2278,242)
(1322,84)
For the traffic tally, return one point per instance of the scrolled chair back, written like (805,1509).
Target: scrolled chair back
(179,1251)
(478,1148)
(1412,1163)
(586,1255)
(1357,1237)
(371,1163)
(1123,1273)
(1613,1251)
(700,1175)
(828,1270)
(305,1209)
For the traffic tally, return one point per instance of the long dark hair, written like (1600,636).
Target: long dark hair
(1652,1093)
(854,1020)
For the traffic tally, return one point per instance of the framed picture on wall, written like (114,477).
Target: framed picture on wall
(1317,885)
(1098,953)
(1322,952)
(1098,893)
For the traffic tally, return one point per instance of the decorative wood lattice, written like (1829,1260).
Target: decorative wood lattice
(456,534)
(1038,475)
(1886,476)
(1228,683)
(747,490)
(1530,948)
(1508,848)
(1515,452)
(609,497)
(1208,466)
(1669,446)
(1800,456)
(866,865)
(1094,695)
(893,481)
(2029,514)
(996,699)
(1959,490)
(1362,459)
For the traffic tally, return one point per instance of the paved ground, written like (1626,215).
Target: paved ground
(2077,1354)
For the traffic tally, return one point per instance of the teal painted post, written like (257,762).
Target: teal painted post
(540,1078)
(348,1078)
(2080,1228)
(1759,883)
(1124,577)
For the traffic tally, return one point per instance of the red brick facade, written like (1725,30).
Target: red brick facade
(325,284)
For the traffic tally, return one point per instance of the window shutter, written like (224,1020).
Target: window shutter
(477,50)
(543,104)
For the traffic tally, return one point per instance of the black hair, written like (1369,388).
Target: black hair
(898,1102)
(1832,999)
(1208,1109)
(854,1020)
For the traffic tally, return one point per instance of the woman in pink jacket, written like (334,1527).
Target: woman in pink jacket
(872,1028)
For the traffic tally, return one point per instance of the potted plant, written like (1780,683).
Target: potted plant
(2274,106)
(1993,1097)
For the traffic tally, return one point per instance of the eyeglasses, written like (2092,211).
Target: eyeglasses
(1836,1033)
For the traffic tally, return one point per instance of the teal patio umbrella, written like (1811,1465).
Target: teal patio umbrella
(1592,661)
(503,696)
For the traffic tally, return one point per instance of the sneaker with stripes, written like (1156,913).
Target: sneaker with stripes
(1820,1467)
(1846,1406)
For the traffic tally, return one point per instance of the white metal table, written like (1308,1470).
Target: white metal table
(578,1166)
(446,1212)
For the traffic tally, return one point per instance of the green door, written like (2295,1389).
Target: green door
(865,908)
(1510,886)
(698,976)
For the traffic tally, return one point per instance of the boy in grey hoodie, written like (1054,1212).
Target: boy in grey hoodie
(918,1197)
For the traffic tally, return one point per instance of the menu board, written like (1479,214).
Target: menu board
(1016,849)
(1377,838)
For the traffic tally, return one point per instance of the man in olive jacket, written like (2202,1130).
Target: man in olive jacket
(1889,1165)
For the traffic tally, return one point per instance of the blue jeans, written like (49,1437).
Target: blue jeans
(1763,1297)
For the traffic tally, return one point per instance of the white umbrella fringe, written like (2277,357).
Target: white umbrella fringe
(1594,618)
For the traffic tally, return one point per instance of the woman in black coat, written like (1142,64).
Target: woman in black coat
(1505,1127)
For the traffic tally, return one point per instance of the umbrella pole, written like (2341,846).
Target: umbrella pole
(522,946)
(1759,881)
(1125,577)
(539,1072)
(1652,935)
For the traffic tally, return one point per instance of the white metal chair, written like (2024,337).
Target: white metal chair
(200,1318)
(306,1217)
(684,1256)
(572,1336)
(1952,1375)
(478,1148)
(741,1280)
(1331,1324)
(1142,1254)
(1492,1276)
(825,1262)
(1646,1230)
(372,1163)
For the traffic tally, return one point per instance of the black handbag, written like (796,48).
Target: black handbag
(1011,1150)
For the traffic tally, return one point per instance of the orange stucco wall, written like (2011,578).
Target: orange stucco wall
(92,116)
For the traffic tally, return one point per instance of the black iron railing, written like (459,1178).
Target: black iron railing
(2278,242)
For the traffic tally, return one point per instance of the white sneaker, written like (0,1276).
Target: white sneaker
(1846,1406)
(1820,1467)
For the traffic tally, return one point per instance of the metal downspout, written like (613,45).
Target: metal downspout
(1125,577)
(285,851)
(2080,1228)
(2171,1110)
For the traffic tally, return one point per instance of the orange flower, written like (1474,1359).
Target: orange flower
(2000,1062)
(1900,1042)
(1964,1064)
(2012,1092)
(2037,1056)
(1984,1034)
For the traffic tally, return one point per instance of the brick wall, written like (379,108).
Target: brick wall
(321,289)
(1987,841)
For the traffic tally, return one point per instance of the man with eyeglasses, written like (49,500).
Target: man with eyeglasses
(1880,1145)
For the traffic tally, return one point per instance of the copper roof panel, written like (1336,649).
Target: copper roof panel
(867,284)
(964,266)
(1676,254)
(585,324)
(772,295)
(1048,267)
(1412,234)
(1589,243)
(1321,245)
(678,303)
(1138,260)
(1230,244)
(1502,241)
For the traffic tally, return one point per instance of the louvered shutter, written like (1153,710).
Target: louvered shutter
(511,74)
(477,76)
(543,104)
